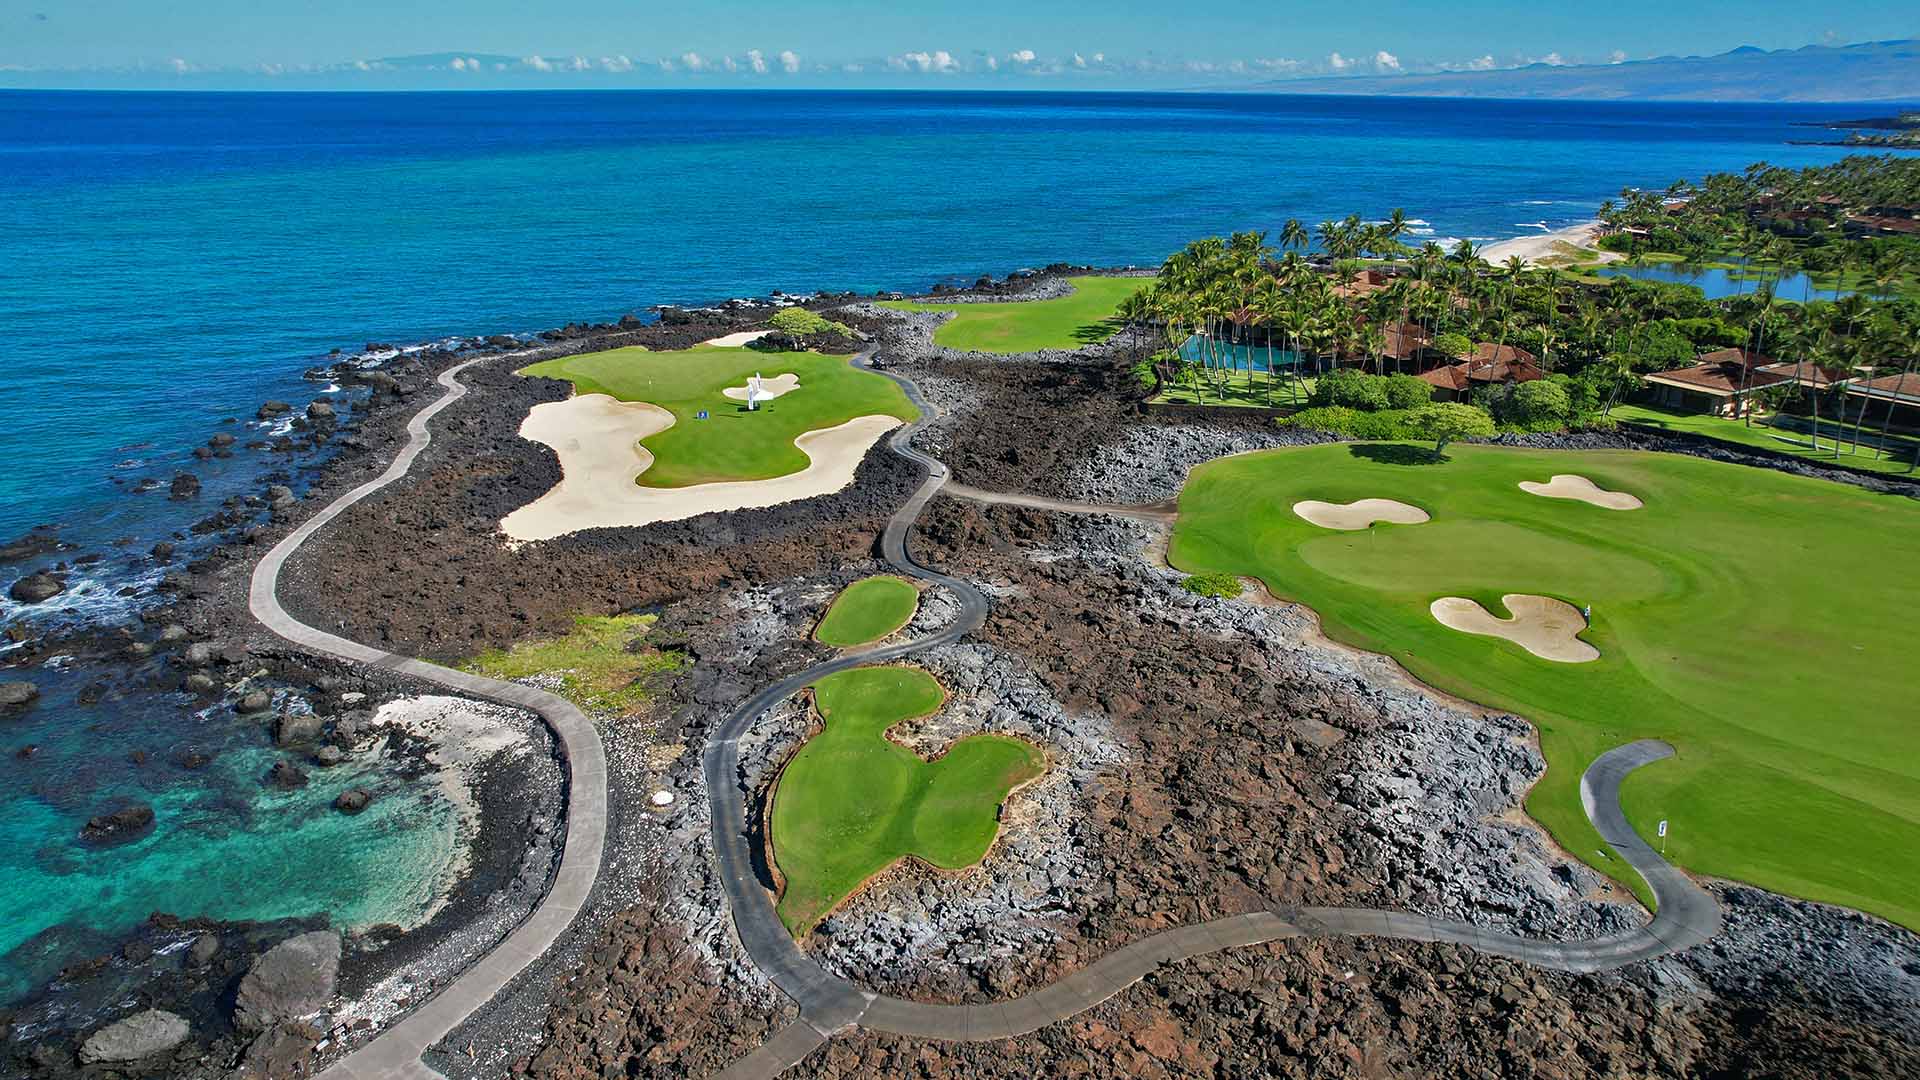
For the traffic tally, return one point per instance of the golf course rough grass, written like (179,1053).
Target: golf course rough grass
(1760,622)
(868,610)
(603,663)
(852,802)
(733,443)
(1082,317)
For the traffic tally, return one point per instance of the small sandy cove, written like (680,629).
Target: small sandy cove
(1532,249)
(1575,486)
(1541,625)
(739,340)
(598,440)
(1360,514)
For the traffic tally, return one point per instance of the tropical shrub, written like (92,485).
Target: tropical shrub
(1453,344)
(1542,401)
(1215,584)
(1445,421)
(1407,392)
(800,322)
(1350,388)
(1353,423)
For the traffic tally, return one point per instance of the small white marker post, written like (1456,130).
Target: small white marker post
(1663,836)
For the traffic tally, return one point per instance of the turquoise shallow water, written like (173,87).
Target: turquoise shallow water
(170,260)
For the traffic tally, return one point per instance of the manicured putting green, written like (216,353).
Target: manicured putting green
(851,802)
(1082,317)
(1760,622)
(868,610)
(732,443)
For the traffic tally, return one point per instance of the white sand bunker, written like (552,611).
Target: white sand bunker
(1360,514)
(735,341)
(769,388)
(598,441)
(1575,486)
(1541,625)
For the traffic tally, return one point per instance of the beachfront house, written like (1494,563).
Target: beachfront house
(1891,401)
(1722,383)
(1490,365)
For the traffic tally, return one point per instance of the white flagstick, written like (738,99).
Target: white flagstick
(1663,836)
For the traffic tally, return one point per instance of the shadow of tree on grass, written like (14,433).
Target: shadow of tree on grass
(1398,454)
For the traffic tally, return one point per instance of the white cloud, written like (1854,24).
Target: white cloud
(1275,63)
(939,61)
(728,63)
(1079,61)
(579,63)
(853,69)
(1552,59)
(616,63)
(1021,56)
(537,63)
(1386,61)
(1484,63)
(993,63)
(757,60)
(1619,56)
(693,61)
(789,61)
(1338,62)
(1099,58)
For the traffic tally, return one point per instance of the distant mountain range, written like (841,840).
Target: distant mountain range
(1872,71)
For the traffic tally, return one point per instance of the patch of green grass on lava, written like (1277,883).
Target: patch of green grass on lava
(868,610)
(1760,622)
(1083,317)
(852,802)
(732,443)
(602,662)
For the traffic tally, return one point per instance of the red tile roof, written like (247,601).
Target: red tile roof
(1460,376)
(1904,389)
(1723,378)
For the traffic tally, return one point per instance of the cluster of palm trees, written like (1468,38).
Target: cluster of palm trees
(1235,312)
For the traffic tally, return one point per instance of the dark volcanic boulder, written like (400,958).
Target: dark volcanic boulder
(286,775)
(256,701)
(353,800)
(185,486)
(15,694)
(35,588)
(141,1035)
(118,826)
(292,729)
(293,979)
(320,409)
(271,409)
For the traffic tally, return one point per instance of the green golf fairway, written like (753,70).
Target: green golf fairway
(1762,623)
(851,801)
(868,610)
(732,443)
(1081,318)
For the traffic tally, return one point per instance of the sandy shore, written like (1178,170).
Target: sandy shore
(1533,249)
(598,441)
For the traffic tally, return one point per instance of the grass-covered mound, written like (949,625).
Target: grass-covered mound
(1082,317)
(603,663)
(868,610)
(851,802)
(1760,622)
(732,443)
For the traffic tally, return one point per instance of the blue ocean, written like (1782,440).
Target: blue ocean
(170,260)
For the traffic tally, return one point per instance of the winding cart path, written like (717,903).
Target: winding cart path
(1686,914)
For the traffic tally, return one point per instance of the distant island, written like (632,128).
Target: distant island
(1900,132)
(1871,71)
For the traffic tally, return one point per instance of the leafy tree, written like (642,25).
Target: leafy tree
(1541,402)
(1456,345)
(1351,388)
(1445,421)
(800,322)
(1407,392)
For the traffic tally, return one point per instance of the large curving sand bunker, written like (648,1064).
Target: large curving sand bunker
(1543,626)
(597,438)
(1575,486)
(1359,514)
(769,388)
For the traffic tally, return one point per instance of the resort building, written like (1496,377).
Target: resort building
(1490,365)
(1722,383)
(1897,395)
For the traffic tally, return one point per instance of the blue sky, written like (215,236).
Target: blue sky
(1049,43)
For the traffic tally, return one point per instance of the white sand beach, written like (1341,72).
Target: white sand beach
(1533,249)
(598,441)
